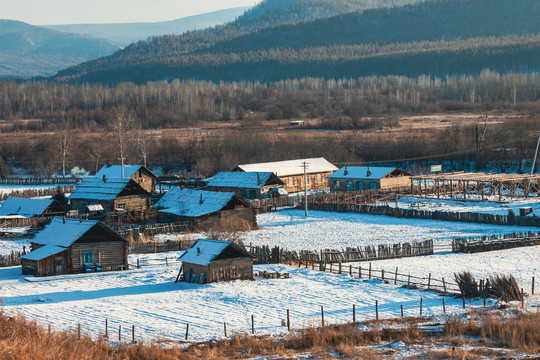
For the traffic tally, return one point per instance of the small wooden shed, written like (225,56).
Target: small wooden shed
(67,246)
(359,178)
(213,260)
(27,208)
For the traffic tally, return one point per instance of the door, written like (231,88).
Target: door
(58,265)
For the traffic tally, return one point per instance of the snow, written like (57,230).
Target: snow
(204,251)
(291,230)
(236,179)
(115,171)
(24,207)
(193,203)
(361,172)
(8,189)
(63,232)
(93,188)
(43,252)
(149,299)
(291,167)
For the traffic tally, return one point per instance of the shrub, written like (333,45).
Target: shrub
(467,284)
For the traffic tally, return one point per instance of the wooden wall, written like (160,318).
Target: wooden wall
(315,181)
(133,202)
(107,254)
(146,181)
(223,270)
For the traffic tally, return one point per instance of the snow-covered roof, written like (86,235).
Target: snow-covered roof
(115,171)
(43,252)
(95,188)
(204,251)
(361,172)
(291,167)
(187,202)
(63,234)
(236,179)
(24,207)
(95,207)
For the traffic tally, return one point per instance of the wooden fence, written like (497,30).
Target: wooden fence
(427,214)
(38,221)
(160,247)
(38,181)
(267,255)
(139,233)
(13,259)
(32,192)
(501,242)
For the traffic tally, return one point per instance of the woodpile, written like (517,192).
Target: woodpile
(484,243)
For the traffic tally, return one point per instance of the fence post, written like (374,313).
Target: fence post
(119,332)
(421,300)
(322,316)
(187,330)
(369,277)
(401,310)
(532,291)
(133,334)
(409,280)
(225,328)
(360,272)
(395,278)
(252,324)
(106,328)
(443,306)
(288,321)
(444,286)
(166,262)
(350,270)
(79,331)
(429,282)
(522,299)
(382,274)
(463,301)
(138,266)
(340,267)
(353,313)
(377,309)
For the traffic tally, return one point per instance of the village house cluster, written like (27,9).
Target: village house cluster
(77,238)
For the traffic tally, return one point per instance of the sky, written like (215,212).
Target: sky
(56,12)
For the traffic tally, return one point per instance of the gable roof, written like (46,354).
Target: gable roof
(93,188)
(62,234)
(43,252)
(115,171)
(208,251)
(361,172)
(290,167)
(24,207)
(187,202)
(243,180)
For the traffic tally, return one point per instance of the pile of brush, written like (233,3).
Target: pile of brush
(500,287)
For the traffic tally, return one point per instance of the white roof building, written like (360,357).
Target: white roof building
(290,167)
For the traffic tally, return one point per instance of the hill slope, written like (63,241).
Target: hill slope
(436,37)
(27,50)
(131,32)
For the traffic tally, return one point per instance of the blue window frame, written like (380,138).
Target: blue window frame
(359,185)
(372,185)
(88,258)
(336,185)
(349,185)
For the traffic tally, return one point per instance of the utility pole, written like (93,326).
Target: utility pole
(122,159)
(535,154)
(305,187)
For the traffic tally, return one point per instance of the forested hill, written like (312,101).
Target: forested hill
(434,37)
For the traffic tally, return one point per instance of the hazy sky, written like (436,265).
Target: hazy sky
(53,12)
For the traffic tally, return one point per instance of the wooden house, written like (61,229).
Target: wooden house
(15,207)
(249,185)
(212,260)
(202,208)
(291,172)
(67,246)
(111,194)
(358,178)
(138,173)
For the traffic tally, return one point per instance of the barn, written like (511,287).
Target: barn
(27,208)
(202,208)
(291,172)
(359,178)
(111,194)
(138,173)
(67,246)
(249,185)
(209,261)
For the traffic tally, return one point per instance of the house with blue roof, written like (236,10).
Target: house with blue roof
(361,178)
(249,185)
(138,173)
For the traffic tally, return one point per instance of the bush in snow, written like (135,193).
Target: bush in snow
(468,286)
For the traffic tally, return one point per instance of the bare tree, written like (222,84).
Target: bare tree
(63,141)
(121,125)
(144,144)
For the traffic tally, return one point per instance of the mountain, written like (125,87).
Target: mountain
(27,50)
(434,37)
(131,32)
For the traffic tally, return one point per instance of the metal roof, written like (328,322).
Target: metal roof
(291,167)
(115,171)
(361,172)
(193,203)
(24,207)
(94,188)
(63,232)
(243,180)
(43,252)
(204,251)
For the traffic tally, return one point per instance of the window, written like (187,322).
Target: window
(84,204)
(243,193)
(88,258)
(252,194)
(336,185)
(372,185)
(319,178)
(121,206)
(359,185)
(291,180)
(349,185)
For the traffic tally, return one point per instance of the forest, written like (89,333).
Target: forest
(211,127)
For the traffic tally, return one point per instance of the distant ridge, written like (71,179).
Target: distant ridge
(125,33)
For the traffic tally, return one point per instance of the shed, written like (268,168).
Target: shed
(138,173)
(291,172)
(112,194)
(213,260)
(67,246)
(203,207)
(358,178)
(27,208)
(249,185)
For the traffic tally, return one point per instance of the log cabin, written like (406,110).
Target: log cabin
(249,185)
(138,173)
(203,208)
(68,246)
(209,261)
(15,207)
(291,172)
(359,178)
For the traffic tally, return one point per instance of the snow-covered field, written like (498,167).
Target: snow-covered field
(149,299)
(290,229)
(8,189)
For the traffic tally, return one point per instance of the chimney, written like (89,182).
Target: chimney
(80,219)
(201,202)
(64,219)
(109,164)
(346,172)
(368,171)
(198,251)
(258,179)
(104,178)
